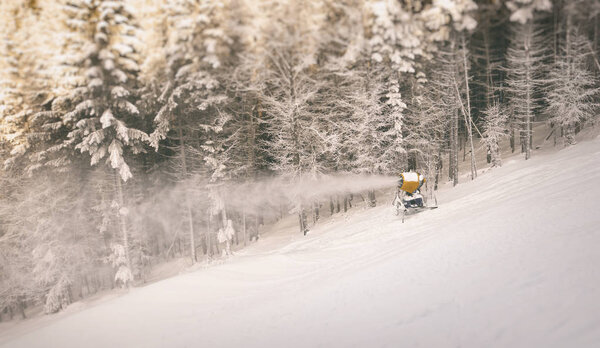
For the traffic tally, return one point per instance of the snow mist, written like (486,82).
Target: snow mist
(280,191)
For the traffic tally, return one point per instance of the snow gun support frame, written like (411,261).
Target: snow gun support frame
(408,198)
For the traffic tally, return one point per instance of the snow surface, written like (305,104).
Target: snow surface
(508,260)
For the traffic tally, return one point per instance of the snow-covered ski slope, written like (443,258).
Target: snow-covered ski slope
(511,259)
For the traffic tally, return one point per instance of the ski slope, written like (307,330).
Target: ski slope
(511,259)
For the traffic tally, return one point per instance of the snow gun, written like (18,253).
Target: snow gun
(408,195)
(410,182)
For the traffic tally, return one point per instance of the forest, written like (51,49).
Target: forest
(135,132)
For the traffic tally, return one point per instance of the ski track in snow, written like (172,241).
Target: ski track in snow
(509,260)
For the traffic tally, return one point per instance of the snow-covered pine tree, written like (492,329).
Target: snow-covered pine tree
(245,156)
(25,78)
(56,249)
(213,43)
(524,57)
(397,41)
(296,138)
(61,243)
(523,80)
(448,26)
(464,96)
(428,121)
(17,287)
(217,173)
(193,49)
(463,24)
(377,108)
(12,119)
(593,15)
(487,52)
(374,144)
(42,78)
(103,120)
(395,155)
(495,128)
(573,96)
(239,147)
(345,55)
(442,102)
(195,45)
(403,33)
(11,123)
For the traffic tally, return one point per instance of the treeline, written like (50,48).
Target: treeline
(123,123)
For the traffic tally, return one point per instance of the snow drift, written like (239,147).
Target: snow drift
(509,260)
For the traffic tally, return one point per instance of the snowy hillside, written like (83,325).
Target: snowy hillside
(509,260)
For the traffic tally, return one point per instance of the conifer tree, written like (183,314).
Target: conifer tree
(188,117)
(495,128)
(378,140)
(104,121)
(573,96)
(296,138)
(524,59)
(12,119)
(441,101)
(26,78)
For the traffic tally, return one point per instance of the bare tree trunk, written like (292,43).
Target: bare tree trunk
(593,45)
(186,197)
(556,28)
(207,235)
(302,220)
(569,136)
(438,169)
(596,39)
(468,116)
(454,148)
(528,94)
(372,199)
(225,223)
(251,156)
(451,151)
(122,219)
(488,70)
(215,244)
(331,205)
(22,307)
(244,227)
(512,138)
(257,224)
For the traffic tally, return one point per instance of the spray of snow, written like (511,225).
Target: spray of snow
(281,191)
(267,198)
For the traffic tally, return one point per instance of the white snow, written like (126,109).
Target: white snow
(508,260)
